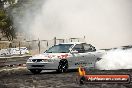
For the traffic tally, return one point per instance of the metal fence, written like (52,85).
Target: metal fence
(38,46)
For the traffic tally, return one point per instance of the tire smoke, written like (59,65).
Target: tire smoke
(101,21)
(116,59)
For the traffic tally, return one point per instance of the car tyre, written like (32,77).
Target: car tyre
(63,66)
(35,71)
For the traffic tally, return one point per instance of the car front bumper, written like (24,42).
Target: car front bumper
(43,65)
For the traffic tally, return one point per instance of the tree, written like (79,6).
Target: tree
(5,2)
(6,23)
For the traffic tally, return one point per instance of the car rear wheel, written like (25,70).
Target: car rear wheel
(35,71)
(63,66)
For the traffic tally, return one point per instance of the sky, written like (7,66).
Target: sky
(104,23)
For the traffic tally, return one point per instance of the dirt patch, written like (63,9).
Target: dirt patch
(22,78)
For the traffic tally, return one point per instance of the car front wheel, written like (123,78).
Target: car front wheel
(63,66)
(35,71)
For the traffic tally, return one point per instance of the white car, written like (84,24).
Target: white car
(4,52)
(17,51)
(22,50)
(64,56)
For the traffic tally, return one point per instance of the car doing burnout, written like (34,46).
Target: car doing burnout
(64,56)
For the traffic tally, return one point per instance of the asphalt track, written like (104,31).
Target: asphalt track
(22,78)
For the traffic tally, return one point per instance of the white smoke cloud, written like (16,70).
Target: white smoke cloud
(116,59)
(105,23)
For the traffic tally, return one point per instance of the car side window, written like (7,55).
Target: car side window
(79,48)
(88,48)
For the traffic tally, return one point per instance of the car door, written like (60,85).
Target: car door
(89,56)
(77,57)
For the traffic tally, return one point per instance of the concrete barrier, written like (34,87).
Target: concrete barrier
(14,61)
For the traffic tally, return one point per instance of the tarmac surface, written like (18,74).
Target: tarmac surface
(22,78)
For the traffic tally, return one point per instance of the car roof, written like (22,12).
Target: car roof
(73,43)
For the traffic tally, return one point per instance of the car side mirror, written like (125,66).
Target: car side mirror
(74,51)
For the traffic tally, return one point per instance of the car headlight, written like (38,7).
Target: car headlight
(29,60)
(47,60)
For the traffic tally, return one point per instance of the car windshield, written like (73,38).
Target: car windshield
(61,48)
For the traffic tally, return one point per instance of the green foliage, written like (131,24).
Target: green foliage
(2,19)
(6,23)
(17,11)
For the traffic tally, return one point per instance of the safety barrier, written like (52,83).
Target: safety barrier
(14,61)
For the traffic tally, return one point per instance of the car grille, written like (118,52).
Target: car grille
(37,65)
(37,60)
